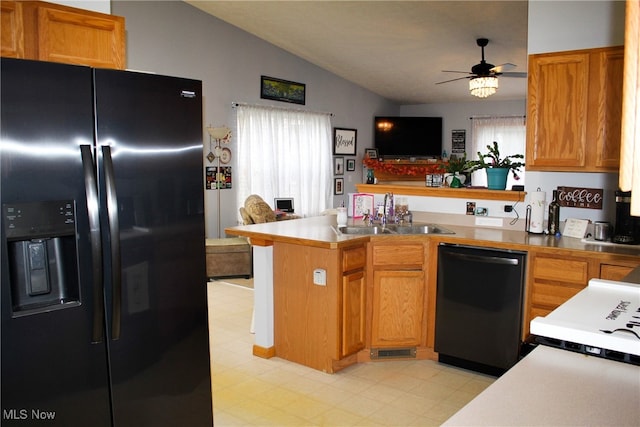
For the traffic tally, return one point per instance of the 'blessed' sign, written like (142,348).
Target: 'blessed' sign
(575,197)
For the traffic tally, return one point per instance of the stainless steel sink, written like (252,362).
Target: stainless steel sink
(395,229)
(363,230)
(419,229)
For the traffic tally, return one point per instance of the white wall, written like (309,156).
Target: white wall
(174,38)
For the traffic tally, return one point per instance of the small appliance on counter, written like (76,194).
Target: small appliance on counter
(627,227)
(602,320)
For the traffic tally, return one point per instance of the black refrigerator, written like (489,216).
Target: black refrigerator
(103,298)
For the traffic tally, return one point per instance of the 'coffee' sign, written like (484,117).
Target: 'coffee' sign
(575,197)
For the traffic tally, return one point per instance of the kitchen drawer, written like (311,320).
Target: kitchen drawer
(561,270)
(539,312)
(614,272)
(552,295)
(354,258)
(408,255)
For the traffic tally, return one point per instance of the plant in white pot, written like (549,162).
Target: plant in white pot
(497,168)
(454,169)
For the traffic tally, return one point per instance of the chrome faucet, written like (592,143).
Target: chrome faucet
(388,213)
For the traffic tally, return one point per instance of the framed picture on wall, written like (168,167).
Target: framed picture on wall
(371,153)
(351,165)
(344,141)
(282,90)
(338,165)
(338,186)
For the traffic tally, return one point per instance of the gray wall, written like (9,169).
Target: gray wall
(171,37)
(174,38)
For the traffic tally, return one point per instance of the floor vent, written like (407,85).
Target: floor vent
(393,353)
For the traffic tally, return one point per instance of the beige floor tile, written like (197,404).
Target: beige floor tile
(337,417)
(307,407)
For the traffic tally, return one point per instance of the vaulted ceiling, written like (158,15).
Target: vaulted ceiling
(396,49)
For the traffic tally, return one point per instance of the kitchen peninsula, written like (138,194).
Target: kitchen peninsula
(326,300)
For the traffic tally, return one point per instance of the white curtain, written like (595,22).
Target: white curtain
(284,153)
(509,132)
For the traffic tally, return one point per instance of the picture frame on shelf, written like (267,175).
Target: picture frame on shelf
(344,141)
(371,153)
(338,186)
(282,90)
(351,165)
(338,165)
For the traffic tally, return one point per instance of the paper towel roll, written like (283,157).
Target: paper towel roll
(537,202)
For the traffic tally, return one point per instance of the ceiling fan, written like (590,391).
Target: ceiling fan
(485,74)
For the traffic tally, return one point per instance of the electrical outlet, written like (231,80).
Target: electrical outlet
(320,277)
(488,221)
(508,208)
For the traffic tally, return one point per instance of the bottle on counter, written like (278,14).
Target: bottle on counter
(370,177)
(554,215)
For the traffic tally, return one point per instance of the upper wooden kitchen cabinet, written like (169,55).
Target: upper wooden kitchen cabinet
(56,33)
(574,106)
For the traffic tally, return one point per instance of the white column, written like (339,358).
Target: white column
(263,295)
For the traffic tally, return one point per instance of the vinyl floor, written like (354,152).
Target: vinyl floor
(251,391)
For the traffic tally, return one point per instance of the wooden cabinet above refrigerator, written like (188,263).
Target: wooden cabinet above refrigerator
(51,32)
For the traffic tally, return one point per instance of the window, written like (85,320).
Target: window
(284,153)
(509,132)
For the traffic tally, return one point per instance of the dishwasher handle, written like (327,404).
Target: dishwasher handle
(485,259)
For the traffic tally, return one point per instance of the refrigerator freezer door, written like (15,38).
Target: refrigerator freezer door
(160,358)
(49,364)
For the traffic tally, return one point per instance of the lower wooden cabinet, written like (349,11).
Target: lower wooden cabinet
(397,292)
(319,325)
(555,277)
(398,306)
(613,270)
(353,313)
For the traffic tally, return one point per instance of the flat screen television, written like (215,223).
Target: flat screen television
(402,137)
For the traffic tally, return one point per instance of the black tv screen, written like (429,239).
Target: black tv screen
(400,137)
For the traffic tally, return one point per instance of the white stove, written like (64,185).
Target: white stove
(601,320)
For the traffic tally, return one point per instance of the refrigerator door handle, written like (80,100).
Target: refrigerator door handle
(114,232)
(91,191)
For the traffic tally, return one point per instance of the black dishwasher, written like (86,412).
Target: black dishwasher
(479,307)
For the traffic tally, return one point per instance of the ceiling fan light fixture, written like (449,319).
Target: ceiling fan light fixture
(483,87)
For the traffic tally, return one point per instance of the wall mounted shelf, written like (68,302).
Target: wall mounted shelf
(452,193)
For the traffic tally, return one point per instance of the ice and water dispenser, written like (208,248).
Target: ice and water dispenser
(42,254)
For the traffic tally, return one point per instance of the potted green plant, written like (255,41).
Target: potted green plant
(497,168)
(454,169)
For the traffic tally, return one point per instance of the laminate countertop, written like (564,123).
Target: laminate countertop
(321,231)
(554,387)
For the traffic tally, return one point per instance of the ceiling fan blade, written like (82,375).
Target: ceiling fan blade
(452,71)
(513,75)
(503,67)
(453,80)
